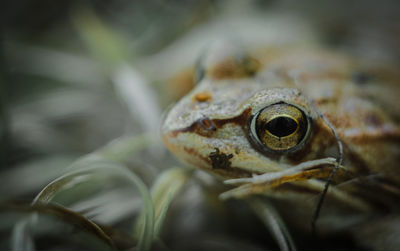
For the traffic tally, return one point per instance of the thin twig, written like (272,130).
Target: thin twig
(330,178)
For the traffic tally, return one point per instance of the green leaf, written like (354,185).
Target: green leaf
(105,45)
(166,187)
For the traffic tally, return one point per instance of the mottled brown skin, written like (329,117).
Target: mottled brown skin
(357,98)
(180,84)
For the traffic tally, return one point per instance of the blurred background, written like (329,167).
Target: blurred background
(90,80)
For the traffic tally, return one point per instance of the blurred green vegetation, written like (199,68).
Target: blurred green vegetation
(83,87)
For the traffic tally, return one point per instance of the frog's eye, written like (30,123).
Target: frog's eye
(279,128)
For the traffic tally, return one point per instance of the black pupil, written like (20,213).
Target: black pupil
(281,126)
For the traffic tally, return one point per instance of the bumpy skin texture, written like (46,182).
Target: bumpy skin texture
(209,129)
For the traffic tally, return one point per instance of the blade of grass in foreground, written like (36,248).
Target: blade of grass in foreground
(273,222)
(103,162)
(21,238)
(110,169)
(164,190)
(34,222)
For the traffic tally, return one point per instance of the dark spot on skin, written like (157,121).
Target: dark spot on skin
(232,172)
(373,120)
(220,160)
(207,124)
(361,78)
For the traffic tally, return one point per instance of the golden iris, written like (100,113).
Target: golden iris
(280,127)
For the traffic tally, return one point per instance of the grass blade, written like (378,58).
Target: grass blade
(166,187)
(111,169)
(273,221)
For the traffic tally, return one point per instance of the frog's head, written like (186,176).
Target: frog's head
(235,125)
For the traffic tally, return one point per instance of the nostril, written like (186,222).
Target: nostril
(207,124)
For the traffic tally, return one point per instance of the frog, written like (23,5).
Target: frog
(309,128)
